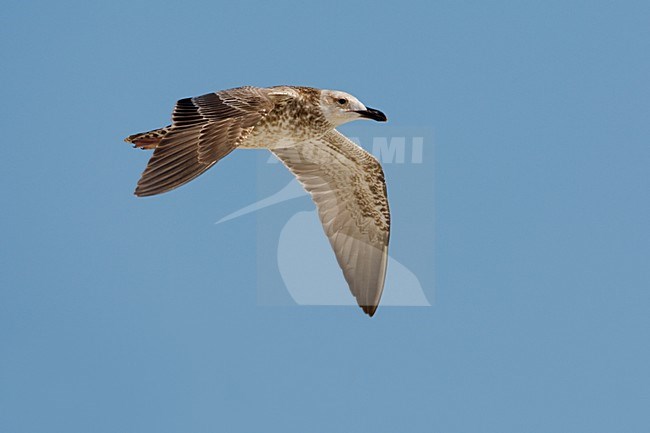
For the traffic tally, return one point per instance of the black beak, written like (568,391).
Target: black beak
(373,114)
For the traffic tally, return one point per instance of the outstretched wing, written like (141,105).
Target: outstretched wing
(204,130)
(347,184)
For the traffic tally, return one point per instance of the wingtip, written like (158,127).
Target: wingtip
(138,192)
(369,309)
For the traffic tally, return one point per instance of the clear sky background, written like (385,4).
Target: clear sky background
(120,314)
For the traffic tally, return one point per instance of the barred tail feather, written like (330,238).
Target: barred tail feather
(148,140)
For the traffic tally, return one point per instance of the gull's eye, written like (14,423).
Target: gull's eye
(342,101)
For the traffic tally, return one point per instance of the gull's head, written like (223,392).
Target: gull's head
(340,107)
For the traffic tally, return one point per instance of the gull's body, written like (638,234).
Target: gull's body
(298,125)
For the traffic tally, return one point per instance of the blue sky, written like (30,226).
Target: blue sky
(135,315)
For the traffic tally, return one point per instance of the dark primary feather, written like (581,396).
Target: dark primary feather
(204,130)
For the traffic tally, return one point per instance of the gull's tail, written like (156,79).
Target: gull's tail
(148,140)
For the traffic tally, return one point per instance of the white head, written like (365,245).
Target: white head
(340,107)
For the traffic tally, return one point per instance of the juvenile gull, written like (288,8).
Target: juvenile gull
(298,125)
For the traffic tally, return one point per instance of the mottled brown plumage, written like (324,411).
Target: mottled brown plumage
(297,125)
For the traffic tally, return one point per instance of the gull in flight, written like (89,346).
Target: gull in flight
(298,125)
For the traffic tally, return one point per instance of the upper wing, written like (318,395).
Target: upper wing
(204,130)
(347,184)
